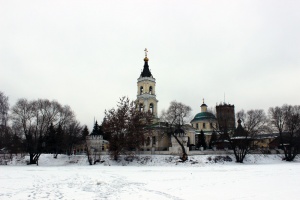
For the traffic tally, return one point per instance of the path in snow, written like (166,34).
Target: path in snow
(244,181)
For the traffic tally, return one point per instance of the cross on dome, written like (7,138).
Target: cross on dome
(146,59)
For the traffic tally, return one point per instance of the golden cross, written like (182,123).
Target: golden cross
(146,51)
(203,100)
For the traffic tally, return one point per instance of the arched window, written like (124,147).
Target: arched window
(150,90)
(151,108)
(153,141)
(148,141)
(141,107)
(141,90)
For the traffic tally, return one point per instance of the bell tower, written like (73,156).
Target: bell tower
(146,93)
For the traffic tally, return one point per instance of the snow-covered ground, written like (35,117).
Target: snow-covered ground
(152,177)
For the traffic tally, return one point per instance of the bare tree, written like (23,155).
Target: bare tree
(5,133)
(240,142)
(125,127)
(254,121)
(66,116)
(176,116)
(88,153)
(4,107)
(34,119)
(22,115)
(286,120)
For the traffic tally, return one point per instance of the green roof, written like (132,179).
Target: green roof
(204,116)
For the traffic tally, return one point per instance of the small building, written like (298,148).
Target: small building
(205,121)
(95,142)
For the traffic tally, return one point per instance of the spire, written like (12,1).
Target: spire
(146,72)
(203,107)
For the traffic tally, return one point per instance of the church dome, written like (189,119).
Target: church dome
(204,116)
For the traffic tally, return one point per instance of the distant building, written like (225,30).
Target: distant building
(205,121)
(95,142)
(226,117)
(146,93)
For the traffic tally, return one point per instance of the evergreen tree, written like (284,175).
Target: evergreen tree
(60,141)
(50,139)
(106,135)
(202,142)
(97,130)
(213,139)
(85,132)
(72,136)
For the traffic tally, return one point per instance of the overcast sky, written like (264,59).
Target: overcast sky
(87,54)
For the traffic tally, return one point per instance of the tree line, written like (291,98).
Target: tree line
(127,130)
(38,126)
(44,126)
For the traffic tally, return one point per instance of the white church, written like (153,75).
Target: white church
(159,141)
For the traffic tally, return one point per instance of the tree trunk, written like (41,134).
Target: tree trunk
(290,153)
(31,158)
(90,160)
(184,156)
(34,158)
(240,154)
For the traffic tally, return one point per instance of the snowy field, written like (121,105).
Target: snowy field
(71,178)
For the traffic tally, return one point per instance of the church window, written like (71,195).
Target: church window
(141,107)
(141,90)
(151,108)
(153,141)
(211,125)
(150,90)
(203,125)
(197,126)
(148,141)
